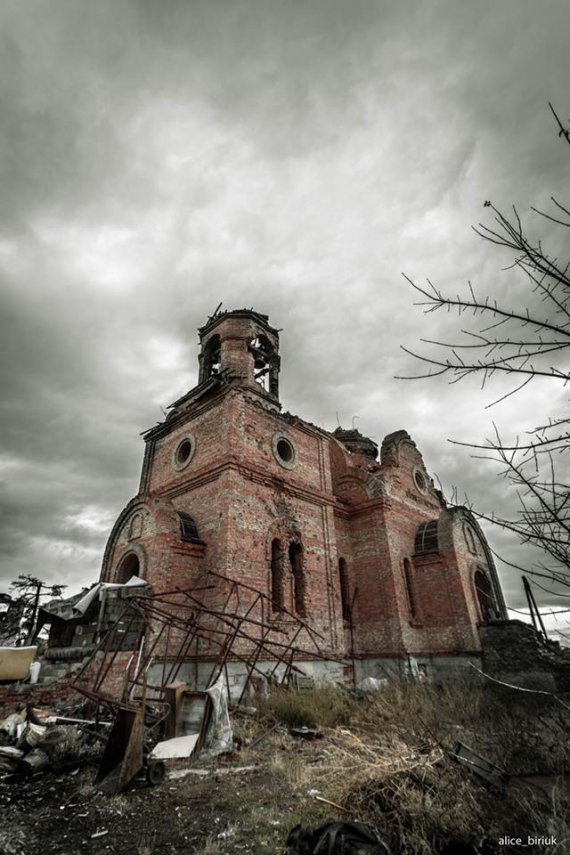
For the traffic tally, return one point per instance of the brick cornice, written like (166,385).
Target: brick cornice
(165,428)
(256,475)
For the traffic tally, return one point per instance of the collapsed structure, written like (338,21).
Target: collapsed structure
(361,552)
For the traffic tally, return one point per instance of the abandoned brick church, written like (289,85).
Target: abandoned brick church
(362,549)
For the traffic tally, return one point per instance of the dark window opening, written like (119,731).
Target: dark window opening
(266,364)
(129,566)
(296,561)
(262,352)
(410,592)
(212,357)
(485,597)
(344,589)
(184,451)
(285,450)
(277,598)
(426,538)
(188,529)
(420,481)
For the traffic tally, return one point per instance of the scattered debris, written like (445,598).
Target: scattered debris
(34,761)
(336,838)
(218,774)
(176,774)
(332,804)
(308,733)
(480,767)
(263,736)
(11,752)
(13,725)
(27,747)
(383,770)
(372,684)
(32,735)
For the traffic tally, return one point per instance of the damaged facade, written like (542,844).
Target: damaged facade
(362,550)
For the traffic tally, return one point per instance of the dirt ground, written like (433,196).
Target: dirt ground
(226,808)
(387,761)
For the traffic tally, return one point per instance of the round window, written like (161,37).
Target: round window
(184,452)
(283,451)
(420,481)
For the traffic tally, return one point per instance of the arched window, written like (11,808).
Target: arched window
(212,357)
(266,364)
(135,527)
(410,592)
(296,561)
(129,566)
(470,539)
(426,538)
(188,528)
(485,596)
(277,599)
(344,589)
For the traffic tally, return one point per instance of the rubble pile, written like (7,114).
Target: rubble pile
(35,740)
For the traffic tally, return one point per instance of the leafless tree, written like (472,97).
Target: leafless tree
(528,337)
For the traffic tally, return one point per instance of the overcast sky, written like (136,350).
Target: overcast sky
(159,157)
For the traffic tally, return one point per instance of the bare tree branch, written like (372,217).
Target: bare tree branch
(525,334)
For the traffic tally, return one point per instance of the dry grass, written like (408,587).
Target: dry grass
(294,769)
(146,846)
(384,758)
(412,795)
(404,782)
(326,706)
(212,847)
(391,766)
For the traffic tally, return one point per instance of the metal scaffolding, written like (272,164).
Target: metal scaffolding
(176,627)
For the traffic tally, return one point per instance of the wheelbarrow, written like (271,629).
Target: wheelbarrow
(124,755)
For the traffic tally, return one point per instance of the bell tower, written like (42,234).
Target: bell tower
(241,345)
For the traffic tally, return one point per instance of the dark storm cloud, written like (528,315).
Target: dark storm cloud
(157,158)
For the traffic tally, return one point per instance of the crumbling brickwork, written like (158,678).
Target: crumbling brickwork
(516,653)
(363,549)
(19,695)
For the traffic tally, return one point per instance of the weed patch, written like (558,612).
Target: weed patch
(327,706)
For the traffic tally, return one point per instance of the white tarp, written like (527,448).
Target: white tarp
(76,607)
(219,736)
(83,604)
(179,746)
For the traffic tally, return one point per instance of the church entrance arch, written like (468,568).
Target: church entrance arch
(129,566)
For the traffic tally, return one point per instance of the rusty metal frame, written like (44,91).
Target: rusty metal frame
(244,617)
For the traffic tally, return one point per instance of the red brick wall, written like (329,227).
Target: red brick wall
(113,682)
(21,694)
(209,424)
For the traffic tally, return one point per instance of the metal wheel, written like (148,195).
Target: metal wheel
(155,772)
